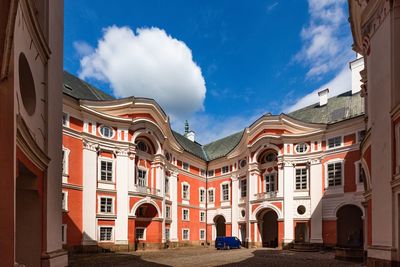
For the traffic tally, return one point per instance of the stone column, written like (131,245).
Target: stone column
(160,187)
(235,202)
(121,223)
(288,202)
(280,179)
(173,187)
(315,185)
(131,168)
(252,183)
(89,193)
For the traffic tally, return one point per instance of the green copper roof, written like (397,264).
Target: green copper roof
(338,108)
(79,89)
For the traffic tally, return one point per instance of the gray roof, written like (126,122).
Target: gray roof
(338,108)
(79,89)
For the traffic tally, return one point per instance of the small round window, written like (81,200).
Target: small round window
(301,148)
(243,213)
(26,85)
(243,163)
(301,209)
(106,131)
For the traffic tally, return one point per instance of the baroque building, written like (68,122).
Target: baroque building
(31,62)
(131,182)
(375,27)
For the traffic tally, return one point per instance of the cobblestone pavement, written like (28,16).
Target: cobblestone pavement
(196,257)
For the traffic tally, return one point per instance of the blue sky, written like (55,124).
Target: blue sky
(220,64)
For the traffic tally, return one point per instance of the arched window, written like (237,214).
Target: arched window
(268,157)
(142,146)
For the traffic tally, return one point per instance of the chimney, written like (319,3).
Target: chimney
(323,97)
(356,66)
(189,134)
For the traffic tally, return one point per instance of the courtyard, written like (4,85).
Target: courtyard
(210,257)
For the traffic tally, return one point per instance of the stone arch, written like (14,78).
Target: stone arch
(358,205)
(263,148)
(268,206)
(367,181)
(220,225)
(146,201)
(267,219)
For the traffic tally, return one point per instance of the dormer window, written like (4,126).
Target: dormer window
(106,131)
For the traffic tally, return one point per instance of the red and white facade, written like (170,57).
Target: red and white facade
(129,184)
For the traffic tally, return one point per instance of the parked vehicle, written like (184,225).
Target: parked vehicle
(227,242)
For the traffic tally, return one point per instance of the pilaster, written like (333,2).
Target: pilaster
(288,203)
(121,223)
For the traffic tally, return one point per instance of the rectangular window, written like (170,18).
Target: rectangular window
(185,166)
(64,233)
(301,178)
(225,169)
(141,177)
(166,185)
(210,173)
(361,136)
(185,214)
(64,162)
(106,205)
(167,234)
(185,191)
(335,174)
(202,216)
(140,233)
(185,234)
(106,170)
(243,187)
(202,234)
(211,195)
(334,142)
(225,192)
(202,195)
(203,172)
(105,233)
(270,182)
(168,212)
(360,173)
(64,200)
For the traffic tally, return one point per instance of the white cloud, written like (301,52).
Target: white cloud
(82,48)
(339,84)
(272,6)
(148,63)
(326,38)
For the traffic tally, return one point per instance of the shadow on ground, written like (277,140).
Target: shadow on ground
(109,259)
(286,258)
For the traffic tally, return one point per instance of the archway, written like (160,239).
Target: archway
(268,224)
(350,227)
(220,226)
(147,230)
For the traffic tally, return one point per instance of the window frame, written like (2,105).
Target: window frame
(301,182)
(204,218)
(188,191)
(183,214)
(307,148)
(106,126)
(225,169)
(108,160)
(202,172)
(183,166)
(144,233)
(66,124)
(112,204)
(112,234)
(202,201)
(241,187)
(334,161)
(222,191)
(64,202)
(274,173)
(335,146)
(212,172)
(213,195)
(65,161)
(204,234)
(141,169)
(188,234)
